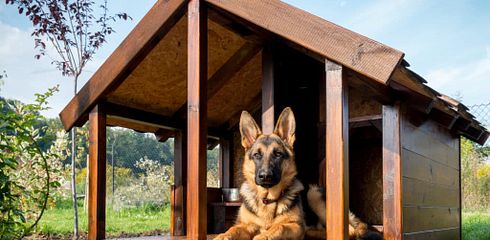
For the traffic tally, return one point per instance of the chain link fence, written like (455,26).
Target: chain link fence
(482,113)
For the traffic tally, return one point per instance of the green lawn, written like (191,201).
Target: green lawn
(135,221)
(476,226)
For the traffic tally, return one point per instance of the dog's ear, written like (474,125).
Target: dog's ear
(249,130)
(286,126)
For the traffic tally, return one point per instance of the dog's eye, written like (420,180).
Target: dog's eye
(278,154)
(257,155)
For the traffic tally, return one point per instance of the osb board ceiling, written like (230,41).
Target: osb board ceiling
(158,84)
(237,93)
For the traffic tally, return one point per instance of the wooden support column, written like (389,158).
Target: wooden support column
(267,90)
(97,174)
(225,163)
(196,119)
(337,152)
(392,173)
(177,223)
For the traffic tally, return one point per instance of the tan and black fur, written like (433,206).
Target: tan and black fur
(357,228)
(271,207)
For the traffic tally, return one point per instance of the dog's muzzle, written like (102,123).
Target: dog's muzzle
(266,179)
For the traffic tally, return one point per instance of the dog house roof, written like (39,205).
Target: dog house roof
(145,77)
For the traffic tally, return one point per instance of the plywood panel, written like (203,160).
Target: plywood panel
(429,145)
(362,105)
(418,167)
(417,219)
(420,193)
(441,234)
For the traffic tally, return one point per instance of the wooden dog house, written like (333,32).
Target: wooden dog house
(189,68)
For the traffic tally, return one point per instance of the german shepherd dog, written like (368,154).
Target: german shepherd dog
(357,228)
(271,207)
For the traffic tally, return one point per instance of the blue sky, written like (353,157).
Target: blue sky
(447,42)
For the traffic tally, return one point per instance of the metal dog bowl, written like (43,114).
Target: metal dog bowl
(231,195)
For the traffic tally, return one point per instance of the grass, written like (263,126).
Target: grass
(127,222)
(476,226)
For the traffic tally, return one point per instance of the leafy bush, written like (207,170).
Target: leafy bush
(27,173)
(150,188)
(475,177)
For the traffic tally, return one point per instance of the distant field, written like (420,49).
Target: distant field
(129,222)
(476,226)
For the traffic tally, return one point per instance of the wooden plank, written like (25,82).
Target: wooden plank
(429,146)
(144,37)
(252,107)
(438,234)
(180,183)
(417,219)
(315,34)
(337,152)
(268,89)
(418,167)
(226,72)
(226,163)
(425,194)
(196,119)
(392,179)
(97,174)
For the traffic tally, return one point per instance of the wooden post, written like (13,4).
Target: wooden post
(178,212)
(267,90)
(225,162)
(392,173)
(97,172)
(196,119)
(337,152)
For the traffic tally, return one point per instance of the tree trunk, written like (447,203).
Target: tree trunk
(73,173)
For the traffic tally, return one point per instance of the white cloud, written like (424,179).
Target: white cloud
(383,14)
(471,80)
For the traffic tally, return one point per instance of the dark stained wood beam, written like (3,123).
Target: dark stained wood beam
(378,91)
(163,135)
(114,110)
(392,173)
(178,205)
(97,174)
(417,101)
(226,72)
(226,162)
(144,37)
(337,152)
(268,89)
(483,138)
(444,118)
(196,119)
(345,47)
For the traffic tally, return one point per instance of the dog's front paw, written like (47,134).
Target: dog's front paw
(223,236)
(261,237)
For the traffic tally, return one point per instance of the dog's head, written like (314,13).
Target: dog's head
(269,159)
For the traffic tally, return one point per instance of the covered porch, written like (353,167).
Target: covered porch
(190,68)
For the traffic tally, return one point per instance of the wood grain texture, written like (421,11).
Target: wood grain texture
(153,27)
(226,162)
(180,182)
(315,34)
(267,89)
(392,173)
(337,152)
(97,174)
(416,219)
(440,234)
(196,120)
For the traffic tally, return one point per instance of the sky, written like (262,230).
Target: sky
(446,42)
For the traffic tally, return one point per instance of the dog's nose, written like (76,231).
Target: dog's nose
(265,175)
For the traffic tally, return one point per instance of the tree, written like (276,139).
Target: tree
(28,174)
(76,33)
